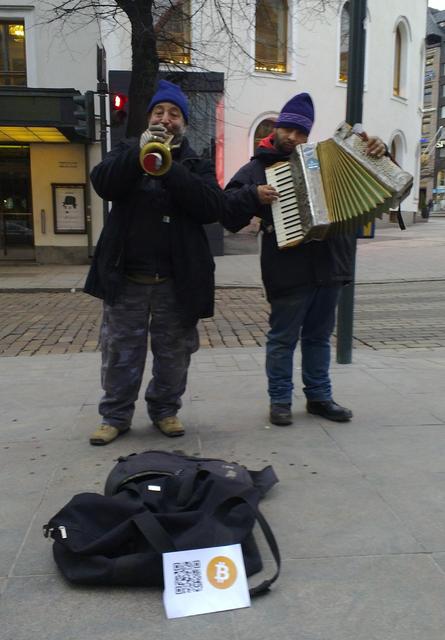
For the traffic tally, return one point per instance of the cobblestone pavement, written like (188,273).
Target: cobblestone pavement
(387,316)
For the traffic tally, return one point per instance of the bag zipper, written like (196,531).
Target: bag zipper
(148,474)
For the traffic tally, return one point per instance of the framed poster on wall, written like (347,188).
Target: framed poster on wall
(69,208)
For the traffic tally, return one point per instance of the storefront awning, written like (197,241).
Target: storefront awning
(38,115)
(31,134)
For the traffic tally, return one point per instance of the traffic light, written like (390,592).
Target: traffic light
(84,114)
(118,110)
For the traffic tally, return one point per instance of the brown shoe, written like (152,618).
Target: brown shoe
(170,426)
(105,434)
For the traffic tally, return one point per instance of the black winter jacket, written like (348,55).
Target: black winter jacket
(314,263)
(188,193)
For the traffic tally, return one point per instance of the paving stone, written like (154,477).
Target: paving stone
(389,316)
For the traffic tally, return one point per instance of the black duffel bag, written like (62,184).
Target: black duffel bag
(158,502)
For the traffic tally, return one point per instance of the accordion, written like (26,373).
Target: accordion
(333,187)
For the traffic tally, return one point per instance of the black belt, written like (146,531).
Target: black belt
(142,278)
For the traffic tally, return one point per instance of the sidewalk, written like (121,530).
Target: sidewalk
(393,255)
(359,512)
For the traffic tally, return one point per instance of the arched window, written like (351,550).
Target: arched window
(397,146)
(172,28)
(397,62)
(393,149)
(271,21)
(345,22)
(401,36)
(262,131)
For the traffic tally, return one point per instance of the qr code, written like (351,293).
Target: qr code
(187,576)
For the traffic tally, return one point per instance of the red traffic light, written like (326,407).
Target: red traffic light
(118,109)
(119,101)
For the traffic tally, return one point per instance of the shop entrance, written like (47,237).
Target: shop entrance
(16,220)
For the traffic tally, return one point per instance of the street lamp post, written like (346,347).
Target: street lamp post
(354,112)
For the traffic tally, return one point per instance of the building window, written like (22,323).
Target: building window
(345,22)
(426,127)
(400,60)
(427,96)
(442,66)
(443,91)
(440,180)
(12,53)
(264,129)
(172,29)
(271,22)
(442,112)
(16,230)
(397,62)
(393,149)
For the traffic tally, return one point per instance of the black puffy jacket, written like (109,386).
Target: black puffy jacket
(190,195)
(313,263)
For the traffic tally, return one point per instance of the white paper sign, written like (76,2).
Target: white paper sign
(204,581)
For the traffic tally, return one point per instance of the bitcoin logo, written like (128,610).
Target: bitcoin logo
(221,572)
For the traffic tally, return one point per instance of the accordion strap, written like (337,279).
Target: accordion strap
(267,227)
(400,219)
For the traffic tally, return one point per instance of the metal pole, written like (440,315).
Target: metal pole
(102,90)
(354,112)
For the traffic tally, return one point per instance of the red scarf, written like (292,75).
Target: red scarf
(267,142)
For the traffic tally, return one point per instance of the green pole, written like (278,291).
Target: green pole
(354,112)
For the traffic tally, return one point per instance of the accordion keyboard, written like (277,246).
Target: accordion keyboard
(286,218)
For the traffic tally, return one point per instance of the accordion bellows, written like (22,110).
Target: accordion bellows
(333,187)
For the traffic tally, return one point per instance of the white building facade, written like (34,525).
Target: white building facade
(277,48)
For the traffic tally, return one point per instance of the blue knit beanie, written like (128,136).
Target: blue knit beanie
(169,92)
(298,112)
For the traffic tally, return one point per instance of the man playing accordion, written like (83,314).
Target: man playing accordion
(302,282)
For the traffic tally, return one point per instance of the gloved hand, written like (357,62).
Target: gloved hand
(154,133)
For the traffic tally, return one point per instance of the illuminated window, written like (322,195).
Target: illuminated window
(262,131)
(271,36)
(173,32)
(12,53)
(345,20)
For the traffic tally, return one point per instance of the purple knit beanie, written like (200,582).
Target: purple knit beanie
(169,92)
(298,112)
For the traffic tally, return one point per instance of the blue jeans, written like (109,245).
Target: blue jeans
(309,313)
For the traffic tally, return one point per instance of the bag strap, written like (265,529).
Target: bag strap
(268,534)
(264,479)
(153,532)
(156,535)
(186,489)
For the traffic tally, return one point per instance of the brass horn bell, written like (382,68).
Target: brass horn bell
(156,157)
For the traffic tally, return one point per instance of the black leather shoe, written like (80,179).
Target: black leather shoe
(329,409)
(280,414)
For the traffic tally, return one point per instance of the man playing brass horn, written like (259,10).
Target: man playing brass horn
(152,266)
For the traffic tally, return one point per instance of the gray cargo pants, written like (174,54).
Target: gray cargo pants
(139,310)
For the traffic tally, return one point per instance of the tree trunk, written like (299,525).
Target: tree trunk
(145,63)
